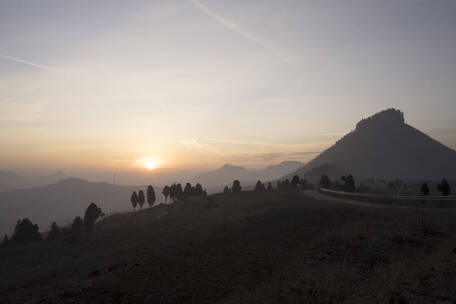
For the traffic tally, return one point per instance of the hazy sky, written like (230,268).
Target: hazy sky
(112,85)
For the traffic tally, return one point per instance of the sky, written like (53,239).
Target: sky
(105,86)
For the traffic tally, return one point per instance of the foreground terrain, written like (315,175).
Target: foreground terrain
(244,248)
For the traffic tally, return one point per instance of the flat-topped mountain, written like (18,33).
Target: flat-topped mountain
(384,146)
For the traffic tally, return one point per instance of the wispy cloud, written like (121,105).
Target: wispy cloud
(226,23)
(33,64)
(238,29)
(268,157)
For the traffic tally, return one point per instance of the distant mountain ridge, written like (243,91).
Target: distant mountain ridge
(226,174)
(61,202)
(10,180)
(384,146)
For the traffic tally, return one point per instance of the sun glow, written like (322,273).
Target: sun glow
(149,163)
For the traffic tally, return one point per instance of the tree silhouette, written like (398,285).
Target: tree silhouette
(188,189)
(5,240)
(141,199)
(349,183)
(295,181)
(178,192)
(172,191)
(165,192)
(269,187)
(236,186)
(150,195)
(77,226)
(134,200)
(226,190)
(92,213)
(54,232)
(199,189)
(324,181)
(26,231)
(444,187)
(259,186)
(425,189)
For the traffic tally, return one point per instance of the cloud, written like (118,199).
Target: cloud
(191,144)
(226,23)
(268,157)
(278,52)
(33,64)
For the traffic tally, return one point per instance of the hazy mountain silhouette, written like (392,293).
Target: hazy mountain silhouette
(10,180)
(226,174)
(384,146)
(61,202)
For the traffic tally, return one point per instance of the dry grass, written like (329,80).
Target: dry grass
(244,248)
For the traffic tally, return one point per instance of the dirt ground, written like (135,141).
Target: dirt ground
(249,247)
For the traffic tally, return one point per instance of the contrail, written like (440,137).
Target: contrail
(226,23)
(234,27)
(36,65)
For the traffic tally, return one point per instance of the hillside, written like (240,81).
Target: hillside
(61,202)
(10,180)
(225,175)
(243,248)
(384,146)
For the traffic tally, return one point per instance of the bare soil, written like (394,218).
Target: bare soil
(244,248)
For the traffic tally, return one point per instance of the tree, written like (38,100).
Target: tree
(134,200)
(444,187)
(188,189)
(5,240)
(349,183)
(141,199)
(424,190)
(199,189)
(259,186)
(270,188)
(172,192)
(324,181)
(295,181)
(236,186)
(179,192)
(92,213)
(165,192)
(226,190)
(54,232)
(26,231)
(77,226)
(150,195)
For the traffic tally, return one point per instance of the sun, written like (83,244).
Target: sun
(149,163)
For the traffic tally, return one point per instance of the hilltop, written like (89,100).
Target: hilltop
(279,247)
(384,146)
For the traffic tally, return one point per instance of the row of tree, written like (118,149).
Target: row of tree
(139,198)
(174,192)
(296,183)
(25,231)
(348,185)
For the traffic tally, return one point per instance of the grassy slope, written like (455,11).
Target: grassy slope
(247,247)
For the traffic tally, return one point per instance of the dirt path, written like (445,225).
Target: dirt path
(322,197)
